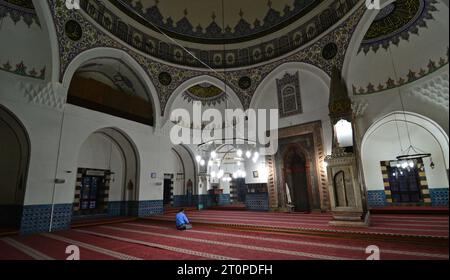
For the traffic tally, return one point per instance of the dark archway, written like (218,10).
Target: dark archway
(296,172)
(14,160)
(107,176)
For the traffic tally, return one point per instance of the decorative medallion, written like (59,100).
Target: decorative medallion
(73,30)
(245,82)
(165,78)
(150,15)
(396,21)
(19,9)
(206,93)
(94,37)
(329,51)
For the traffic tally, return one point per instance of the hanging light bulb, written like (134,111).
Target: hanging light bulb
(404,164)
(210,163)
(256,155)
(239,153)
(248,154)
(213,154)
(213,174)
(244,174)
(198,158)
(235,176)
(238,163)
(202,162)
(411,164)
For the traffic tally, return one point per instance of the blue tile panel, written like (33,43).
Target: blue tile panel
(257,201)
(36,218)
(224,199)
(376,198)
(439,197)
(122,208)
(150,207)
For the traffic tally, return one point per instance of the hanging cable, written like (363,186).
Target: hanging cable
(171,39)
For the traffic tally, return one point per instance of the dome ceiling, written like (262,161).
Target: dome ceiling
(255,30)
(396,21)
(207,21)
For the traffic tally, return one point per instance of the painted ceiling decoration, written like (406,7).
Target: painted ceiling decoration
(397,21)
(93,37)
(413,75)
(207,93)
(116,74)
(258,52)
(19,10)
(201,21)
(23,70)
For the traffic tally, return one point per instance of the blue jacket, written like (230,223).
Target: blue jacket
(181,219)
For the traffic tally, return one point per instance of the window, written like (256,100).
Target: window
(404,183)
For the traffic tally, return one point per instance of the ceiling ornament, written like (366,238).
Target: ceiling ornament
(23,70)
(412,76)
(257,52)
(397,21)
(93,38)
(248,21)
(206,93)
(19,9)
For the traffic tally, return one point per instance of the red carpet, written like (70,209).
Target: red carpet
(159,240)
(389,225)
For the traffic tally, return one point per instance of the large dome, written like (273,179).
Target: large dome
(220,33)
(216,21)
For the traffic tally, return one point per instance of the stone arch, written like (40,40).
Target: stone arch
(14,162)
(126,59)
(121,173)
(195,81)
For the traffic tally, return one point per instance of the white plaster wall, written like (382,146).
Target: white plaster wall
(413,54)
(100,152)
(314,96)
(47,128)
(20,43)
(259,166)
(382,143)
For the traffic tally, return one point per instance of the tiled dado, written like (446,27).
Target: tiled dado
(150,207)
(439,196)
(257,201)
(122,208)
(376,198)
(36,218)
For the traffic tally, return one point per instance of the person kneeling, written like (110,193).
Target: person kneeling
(182,221)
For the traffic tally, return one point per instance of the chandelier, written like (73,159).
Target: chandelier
(224,159)
(409,157)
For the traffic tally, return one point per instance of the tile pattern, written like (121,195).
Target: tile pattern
(36,218)
(150,207)
(257,202)
(376,198)
(439,197)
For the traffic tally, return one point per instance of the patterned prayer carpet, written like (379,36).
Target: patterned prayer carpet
(413,226)
(159,240)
